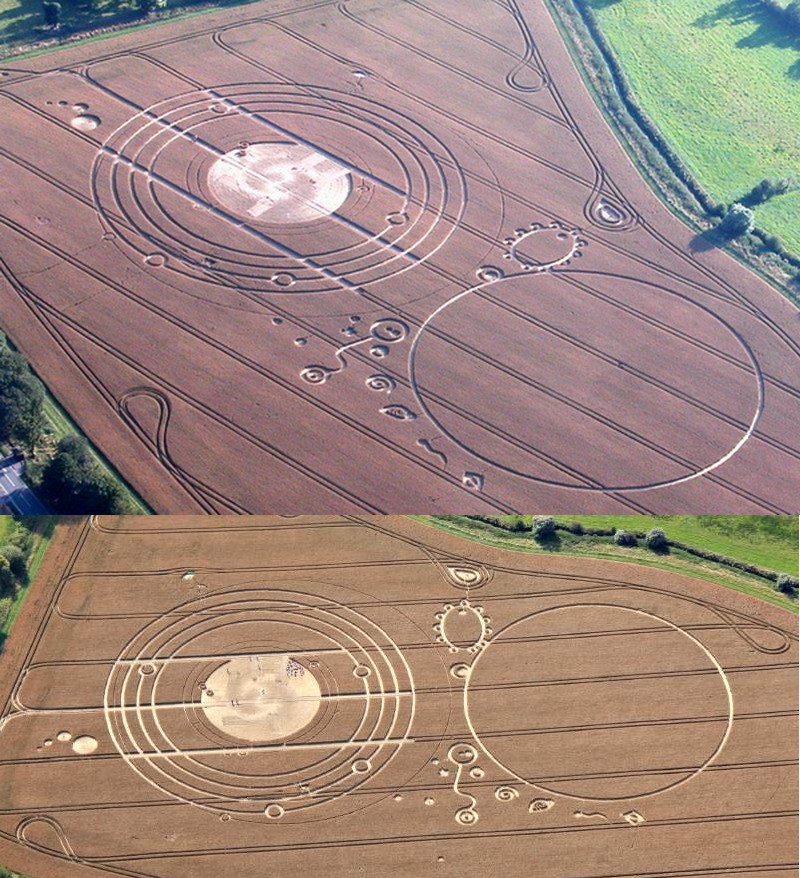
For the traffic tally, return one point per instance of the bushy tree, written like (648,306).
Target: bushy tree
(52,13)
(21,399)
(543,527)
(787,584)
(656,540)
(625,538)
(147,6)
(737,221)
(74,484)
(16,561)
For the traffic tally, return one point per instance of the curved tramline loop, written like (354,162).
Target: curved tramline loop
(422,395)
(691,772)
(427,192)
(137,728)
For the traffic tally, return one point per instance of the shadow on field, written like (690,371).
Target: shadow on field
(770,30)
(710,239)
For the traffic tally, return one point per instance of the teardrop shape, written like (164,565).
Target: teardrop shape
(398,412)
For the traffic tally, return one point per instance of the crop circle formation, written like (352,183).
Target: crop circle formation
(270,188)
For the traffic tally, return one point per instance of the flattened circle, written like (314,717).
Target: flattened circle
(261,698)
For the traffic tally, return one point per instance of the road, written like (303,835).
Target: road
(14,491)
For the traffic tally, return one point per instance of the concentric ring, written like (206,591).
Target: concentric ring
(160,728)
(151,189)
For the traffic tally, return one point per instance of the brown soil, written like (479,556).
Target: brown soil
(401,702)
(434,282)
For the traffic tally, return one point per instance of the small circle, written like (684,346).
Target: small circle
(63,103)
(274,811)
(48,742)
(224,818)
(429,801)
(467,816)
(301,342)
(147,670)
(488,273)
(361,766)
(276,321)
(64,736)
(477,773)
(279,183)
(398,797)
(460,671)
(80,108)
(283,279)
(315,374)
(361,671)
(85,122)
(155,259)
(610,214)
(397,218)
(379,351)
(84,745)
(462,754)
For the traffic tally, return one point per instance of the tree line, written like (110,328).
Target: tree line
(68,479)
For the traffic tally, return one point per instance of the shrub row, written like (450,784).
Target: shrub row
(654,539)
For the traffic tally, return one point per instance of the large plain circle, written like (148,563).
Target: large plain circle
(587,381)
(598,702)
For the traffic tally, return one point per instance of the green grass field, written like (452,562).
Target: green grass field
(766,540)
(721,79)
(746,538)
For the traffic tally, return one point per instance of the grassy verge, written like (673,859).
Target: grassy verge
(42,534)
(721,83)
(603,547)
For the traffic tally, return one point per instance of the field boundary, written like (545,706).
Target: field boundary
(661,165)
